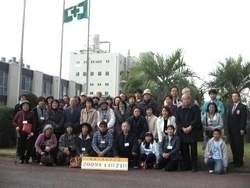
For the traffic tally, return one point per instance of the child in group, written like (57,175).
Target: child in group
(216,158)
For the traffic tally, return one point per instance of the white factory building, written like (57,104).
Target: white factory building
(106,70)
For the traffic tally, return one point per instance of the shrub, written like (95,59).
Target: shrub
(248,133)
(7,131)
(32,98)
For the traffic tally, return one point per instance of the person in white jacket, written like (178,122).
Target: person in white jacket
(163,121)
(149,152)
(105,113)
(151,119)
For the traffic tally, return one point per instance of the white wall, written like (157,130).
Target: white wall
(12,89)
(37,83)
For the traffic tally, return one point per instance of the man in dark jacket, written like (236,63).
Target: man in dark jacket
(125,144)
(148,102)
(187,121)
(72,115)
(237,121)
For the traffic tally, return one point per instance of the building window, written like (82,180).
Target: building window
(2,103)
(91,92)
(99,61)
(84,62)
(3,82)
(106,84)
(84,74)
(91,84)
(91,73)
(64,90)
(106,93)
(26,84)
(92,61)
(107,61)
(77,73)
(99,84)
(47,89)
(78,62)
(99,73)
(107,73)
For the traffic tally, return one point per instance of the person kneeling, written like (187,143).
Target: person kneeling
(149,152)
(84,140)
(45,145)
(125,144)
(102,142)
(66,145)
(170,147)
(216,158)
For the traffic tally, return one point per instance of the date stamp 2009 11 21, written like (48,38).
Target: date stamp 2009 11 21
(104,163)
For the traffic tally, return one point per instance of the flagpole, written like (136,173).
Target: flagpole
(87,68)
(19,90)
(61,55)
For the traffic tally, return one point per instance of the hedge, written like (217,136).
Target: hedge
(7,131)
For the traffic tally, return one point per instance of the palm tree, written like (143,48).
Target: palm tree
(160,74)
(230,76)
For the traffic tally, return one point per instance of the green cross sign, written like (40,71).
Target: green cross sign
(79,11)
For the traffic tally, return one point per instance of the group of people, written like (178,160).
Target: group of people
(131,127)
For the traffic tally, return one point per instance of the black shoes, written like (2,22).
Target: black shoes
(21,161)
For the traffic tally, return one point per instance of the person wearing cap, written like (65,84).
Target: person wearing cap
(83,142)
(102,142)
(169,159)
(89,114)
(49,101)
(138,96)
(213,99)
(22,98)
(55,118)
(125,144)
(83,98)
(72,114)
(96,102)
(188,118)
(46,143)
(105,113)
(148,101)
(23,118)
(66,147)
(149,152)
(98,93)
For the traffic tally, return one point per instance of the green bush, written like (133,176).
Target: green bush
(32,98)
(248,133)
(7,131)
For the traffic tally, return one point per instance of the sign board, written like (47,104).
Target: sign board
(104,163)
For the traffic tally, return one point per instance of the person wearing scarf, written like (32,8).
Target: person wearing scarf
(55,118)
(40,113)
(149,154)
(66,147)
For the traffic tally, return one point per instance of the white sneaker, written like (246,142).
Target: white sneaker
(211,171)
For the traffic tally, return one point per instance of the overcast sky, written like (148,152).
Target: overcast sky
(208,31)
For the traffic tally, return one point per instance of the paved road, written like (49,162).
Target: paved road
(33,175)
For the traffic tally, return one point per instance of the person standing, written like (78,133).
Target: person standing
(237,121)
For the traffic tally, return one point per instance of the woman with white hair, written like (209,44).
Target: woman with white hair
(46,145)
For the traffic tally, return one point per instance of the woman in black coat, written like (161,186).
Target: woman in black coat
(121,115)
(83,142)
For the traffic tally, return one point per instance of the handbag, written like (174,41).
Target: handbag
(75,162)
(27,127)
(47,160)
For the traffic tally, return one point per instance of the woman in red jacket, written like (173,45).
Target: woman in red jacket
(21,121)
